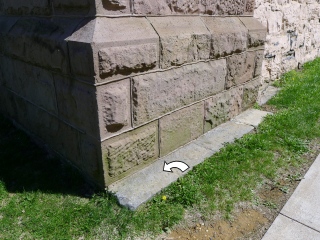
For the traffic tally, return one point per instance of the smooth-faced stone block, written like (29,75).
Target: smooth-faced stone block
(183,40)
(41,41)
(128,59)
(113,7)
(156,94)
(240,68)
(251,117)
(228,36)
(257,32)
(250,93)
(223,7)
(180,127)
(258,63)
(222,107)
(72,7)
(152,7)
(26,7)
(129,152)
(114,108)
(77,104)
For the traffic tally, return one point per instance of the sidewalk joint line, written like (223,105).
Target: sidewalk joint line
(300,222)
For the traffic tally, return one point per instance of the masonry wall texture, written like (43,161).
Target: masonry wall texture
(112,85)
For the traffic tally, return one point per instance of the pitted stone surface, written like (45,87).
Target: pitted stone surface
(223,7)
(127,59)
(181,127)
(222,107)
(156,94)
(113,7)
(182,39)
(250,93)
(258,63)
(228,36)
(152,7)
(114,108)
(240,68)
(257,32)
(129,151)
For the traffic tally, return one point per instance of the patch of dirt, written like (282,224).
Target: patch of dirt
(269,108)
(250,220)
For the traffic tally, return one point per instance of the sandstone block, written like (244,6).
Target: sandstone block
(152,7)
(250,93)
(77,104)
(114,108)
(183,39)
(113,7)
(258,63)
(185,6)
(240,68)
(222,107)
(130,151)
(26,7)
(257,32)
(72,7)
(250,5)
(228,36)
(128,59)
(41,41)
(223,7)
(156,94)
(180,127)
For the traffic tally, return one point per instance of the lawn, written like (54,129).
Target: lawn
(41,198)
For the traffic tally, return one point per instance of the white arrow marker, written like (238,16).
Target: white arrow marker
(180,165)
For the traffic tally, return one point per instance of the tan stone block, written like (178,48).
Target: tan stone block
(130,151)
(26,7)
(250,93)
(250,6)
(180,127)
(222,107)
(77,104)
(223,7)
(156,94)
(128,59)
(258,63)
(228,35)
(185,6)
(183,40)
(152,7)
(113,7)
(114,108)
(257,32)
(240,68)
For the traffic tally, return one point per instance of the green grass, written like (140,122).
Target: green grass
(40,198)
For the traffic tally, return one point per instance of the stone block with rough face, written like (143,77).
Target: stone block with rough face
(222,107)
(130,151)
(250,93)
(257,32)
(182,39)
(223,7)
(156,94)
(180,127)
(228,36)
(152,7)
(114,108)
(258,63)
(72,7)
(26,7)
(240,68)
(113,7)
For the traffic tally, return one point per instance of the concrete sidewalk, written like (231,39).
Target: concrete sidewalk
(300,217)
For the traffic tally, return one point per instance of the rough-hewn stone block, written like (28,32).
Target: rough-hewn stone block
(128,59)
(26,7)
(41,41)
(257,32)
(156,94)
(240,68)
(250,93)
(77,104)
(258,63)
(152,7)
(114,108)
(130,151)
(113,7)
(183,39)
(72,7)
(223,7)
(250,5)
(228,35)
(222,107)
(185,6)
(180,127)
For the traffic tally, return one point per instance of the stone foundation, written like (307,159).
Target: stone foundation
(111,86)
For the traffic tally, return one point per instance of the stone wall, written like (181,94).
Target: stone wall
(111,86)
(293,34)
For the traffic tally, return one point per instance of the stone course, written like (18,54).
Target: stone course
(112,85)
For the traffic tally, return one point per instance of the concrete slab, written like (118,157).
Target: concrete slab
(303,206)
(267,94)
(143,185)
(287,229)
(251,117)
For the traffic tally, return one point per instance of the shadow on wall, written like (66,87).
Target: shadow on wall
(26,167)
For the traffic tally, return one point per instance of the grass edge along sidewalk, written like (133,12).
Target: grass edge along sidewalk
(40,198)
